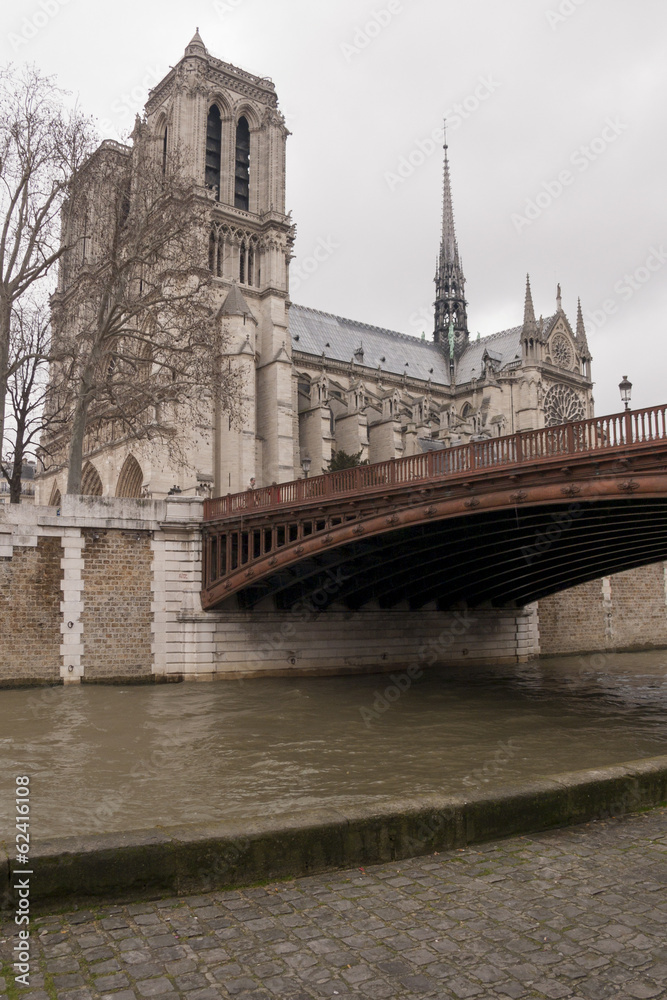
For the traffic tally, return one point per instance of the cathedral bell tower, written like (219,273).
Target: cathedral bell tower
(230,136)
(451,320)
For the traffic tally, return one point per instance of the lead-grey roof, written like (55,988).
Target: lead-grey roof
(504,347)
(317,333)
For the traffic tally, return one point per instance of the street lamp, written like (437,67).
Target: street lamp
(305,465)
(625,388)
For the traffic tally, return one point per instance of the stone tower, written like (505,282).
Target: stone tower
(224,126)
(451,320)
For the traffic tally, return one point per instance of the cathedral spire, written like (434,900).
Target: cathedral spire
(450,303)
(448,247)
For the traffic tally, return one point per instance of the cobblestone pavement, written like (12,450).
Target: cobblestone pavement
(574,913)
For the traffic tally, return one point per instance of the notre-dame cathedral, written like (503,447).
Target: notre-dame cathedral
(316,383)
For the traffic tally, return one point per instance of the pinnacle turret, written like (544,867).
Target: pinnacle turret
(451,321)
(529,323)
(582,340)
(196,46)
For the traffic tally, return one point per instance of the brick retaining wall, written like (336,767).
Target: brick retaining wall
(30,611)
(626,611)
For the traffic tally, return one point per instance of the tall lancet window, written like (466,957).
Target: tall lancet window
(213,147)
(242,178)
(164,151)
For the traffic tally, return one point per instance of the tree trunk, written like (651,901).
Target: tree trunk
(15,482)
(5,323)
(75,462)
(17,465)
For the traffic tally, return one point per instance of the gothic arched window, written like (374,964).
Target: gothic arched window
(164,151)
(242,176)
(91,484)
(213,148)
(130,479)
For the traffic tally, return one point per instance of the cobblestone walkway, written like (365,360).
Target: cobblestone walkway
(575,913)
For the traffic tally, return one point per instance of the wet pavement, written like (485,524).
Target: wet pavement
(578,913)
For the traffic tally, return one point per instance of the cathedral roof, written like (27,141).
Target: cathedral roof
(503,348)
(318,333)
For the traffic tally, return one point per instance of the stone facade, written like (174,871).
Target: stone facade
(313,383)
(109,591)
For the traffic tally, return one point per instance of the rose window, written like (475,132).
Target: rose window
(561,351)
(562,404)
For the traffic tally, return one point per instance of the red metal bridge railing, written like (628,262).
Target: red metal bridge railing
(630,429)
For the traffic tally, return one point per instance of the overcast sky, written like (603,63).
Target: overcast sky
(557,146)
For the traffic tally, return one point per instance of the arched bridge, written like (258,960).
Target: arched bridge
(502,521)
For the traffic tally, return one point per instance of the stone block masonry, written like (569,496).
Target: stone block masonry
(109,591)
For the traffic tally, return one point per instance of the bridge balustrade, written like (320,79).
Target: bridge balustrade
(629,429)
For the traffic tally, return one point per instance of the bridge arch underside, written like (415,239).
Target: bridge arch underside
(502,557)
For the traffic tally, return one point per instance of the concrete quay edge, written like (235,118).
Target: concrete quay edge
(181,860)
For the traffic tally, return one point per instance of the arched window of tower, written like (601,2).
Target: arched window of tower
(213,148)
(242,177)
(164,151)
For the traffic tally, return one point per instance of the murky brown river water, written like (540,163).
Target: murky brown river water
(120,758)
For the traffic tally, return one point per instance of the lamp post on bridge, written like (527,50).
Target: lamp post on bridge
(625,389)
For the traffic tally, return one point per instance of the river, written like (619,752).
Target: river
(107,758)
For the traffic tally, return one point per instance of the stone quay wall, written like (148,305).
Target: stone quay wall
(108,590)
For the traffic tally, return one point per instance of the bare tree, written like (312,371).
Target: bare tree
(31,407)
(41,144)
(135,333)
